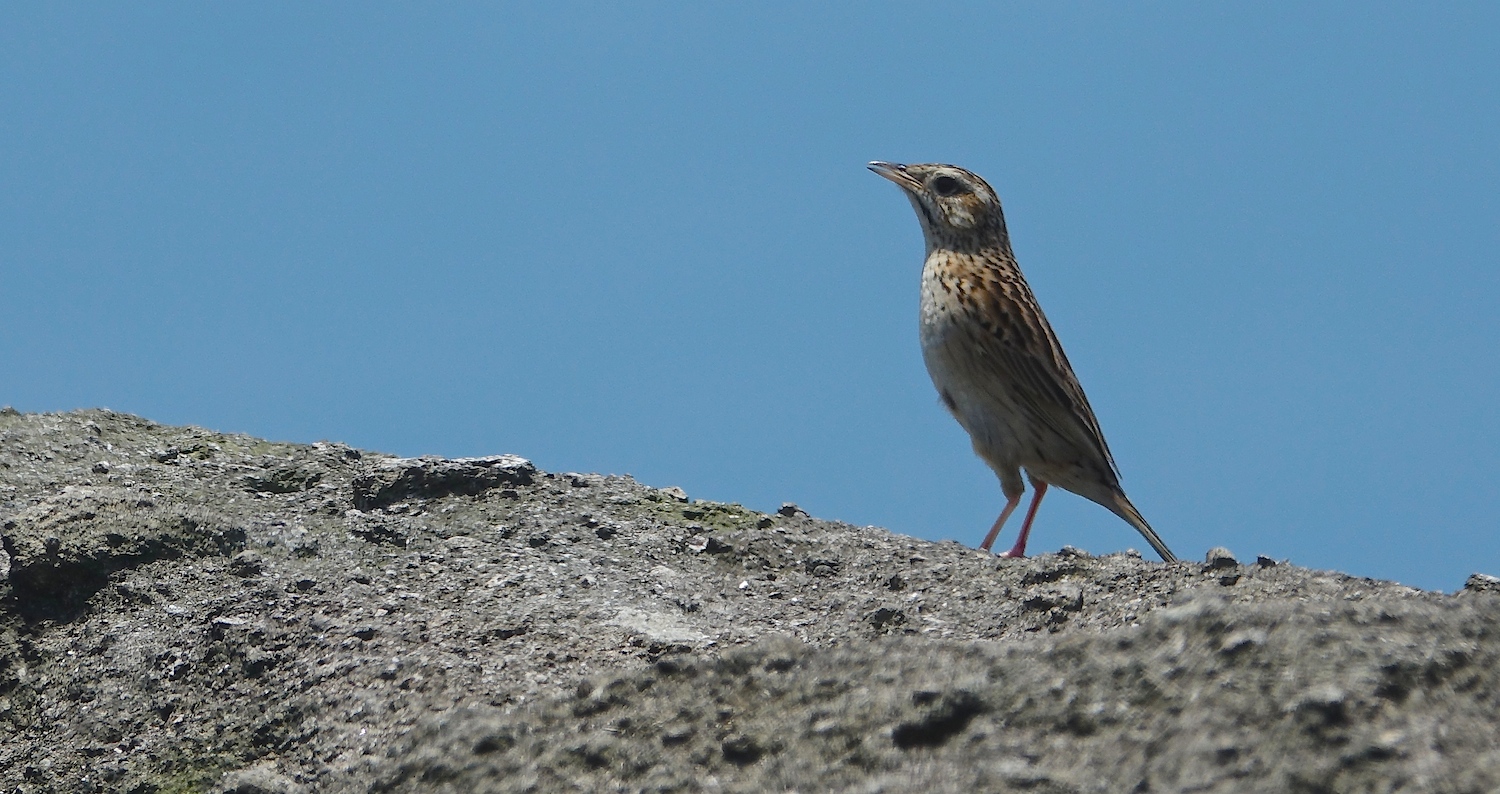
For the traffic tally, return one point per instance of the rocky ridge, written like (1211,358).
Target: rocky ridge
(185,610)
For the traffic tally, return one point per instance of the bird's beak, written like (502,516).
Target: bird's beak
(896,172)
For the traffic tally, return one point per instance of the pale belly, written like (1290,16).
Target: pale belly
(972,388)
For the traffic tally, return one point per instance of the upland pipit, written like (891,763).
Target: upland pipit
(994,359)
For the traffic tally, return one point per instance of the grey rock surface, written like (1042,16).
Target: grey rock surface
(184,610)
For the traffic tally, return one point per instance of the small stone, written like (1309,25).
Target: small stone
(102,467)
(1243,640)
(1320,707)
(674,493)
(886,617)
(677,734)
(1482,583)
(715,546)
(791,510)
(1220,557)
(1264,561)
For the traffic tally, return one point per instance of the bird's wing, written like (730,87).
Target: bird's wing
(1035,370)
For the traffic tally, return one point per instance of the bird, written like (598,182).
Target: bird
(996,363)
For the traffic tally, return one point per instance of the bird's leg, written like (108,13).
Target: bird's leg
(1019,550)
(1010,507)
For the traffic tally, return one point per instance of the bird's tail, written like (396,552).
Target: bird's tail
(1124,509)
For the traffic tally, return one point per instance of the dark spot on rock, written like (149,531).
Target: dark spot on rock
(781,663)
(1322,712)
(675,665)
(885,617)
(715,546)
(380,532)
(949,714)
(508,632)
(1065,600)
(494,743)
(1052,574)
(741,750)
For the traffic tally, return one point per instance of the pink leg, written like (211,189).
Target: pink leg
(1019,550)
(1010,507)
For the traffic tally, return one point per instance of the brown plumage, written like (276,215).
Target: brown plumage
(994,359)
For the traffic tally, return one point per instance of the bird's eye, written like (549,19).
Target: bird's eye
(945,185)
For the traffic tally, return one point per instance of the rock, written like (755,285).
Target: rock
(1482,583)
(1219,557)
(184,610)
(791,511)
(396,479)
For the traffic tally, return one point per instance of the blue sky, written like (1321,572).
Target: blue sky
(644,241)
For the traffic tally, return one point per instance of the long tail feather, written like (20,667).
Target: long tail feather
(1124,509)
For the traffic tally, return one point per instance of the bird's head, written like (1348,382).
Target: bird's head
(957,208)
